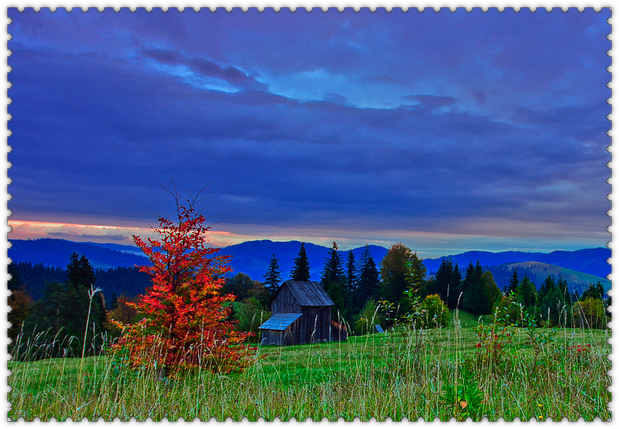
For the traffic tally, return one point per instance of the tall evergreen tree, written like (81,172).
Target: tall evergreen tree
(416,273)
(351,273)
(480,290)
(455,288)
(80,280)
(527,294)
(334,282)
(272,278)
(565,292)
(369,284)
(491,292)
(300,272)
(593,291)
(513,283)
(549,301)
(442,279)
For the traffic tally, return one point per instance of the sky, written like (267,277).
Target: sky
(445,131)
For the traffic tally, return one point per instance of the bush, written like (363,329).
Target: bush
(508,311)
(368,318)
(434,312)
(251,314)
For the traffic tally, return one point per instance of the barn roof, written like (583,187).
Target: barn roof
(309,294)
(280,321)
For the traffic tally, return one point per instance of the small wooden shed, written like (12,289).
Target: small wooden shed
(301,314)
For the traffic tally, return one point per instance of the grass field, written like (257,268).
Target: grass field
(437,373)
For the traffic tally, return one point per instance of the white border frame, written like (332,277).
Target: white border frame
(277,4)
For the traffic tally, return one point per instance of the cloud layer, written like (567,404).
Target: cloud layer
(366,126)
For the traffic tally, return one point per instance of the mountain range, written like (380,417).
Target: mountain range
(579,267)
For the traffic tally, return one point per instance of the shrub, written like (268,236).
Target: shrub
(251,314)
(434,312)
(429,313)
(369,317)
(508,311)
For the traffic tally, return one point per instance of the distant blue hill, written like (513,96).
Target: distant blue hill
(590,261)
(537,272)
(56,253)
(252,257)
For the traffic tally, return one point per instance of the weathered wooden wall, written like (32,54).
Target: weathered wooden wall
(285,302)
(315,324)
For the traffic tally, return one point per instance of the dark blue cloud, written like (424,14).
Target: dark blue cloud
(401,121)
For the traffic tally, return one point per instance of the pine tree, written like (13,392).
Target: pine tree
(351,273)
(443,279)
(455,287)
(491,292)
(549,301)
(369,285)
(593,291)
(272,277)
(416,274)
(80,279)
(480,290)
(513,284)
(334,281)
(300,271)
(527,294)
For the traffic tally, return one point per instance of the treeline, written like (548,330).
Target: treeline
(127,281)
(68,320)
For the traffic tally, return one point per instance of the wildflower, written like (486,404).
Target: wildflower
(463,404)
(478,345)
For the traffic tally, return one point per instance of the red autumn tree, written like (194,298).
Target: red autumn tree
(186,317)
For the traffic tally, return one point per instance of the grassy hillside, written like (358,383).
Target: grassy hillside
(413,374)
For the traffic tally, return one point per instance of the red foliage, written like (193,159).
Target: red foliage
(186,318)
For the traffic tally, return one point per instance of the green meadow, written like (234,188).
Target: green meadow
(441,373)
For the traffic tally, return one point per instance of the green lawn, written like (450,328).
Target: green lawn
(412,374)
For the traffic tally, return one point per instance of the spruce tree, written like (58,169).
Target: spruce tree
(594,291)
(369,285)
(300,272)
(80,280)
(334,281)
(416,273)
(513,283)
(480,291)
(455,287)
(351,273)
(491,293)
(272,277)
(527,294)
(549,301)
(442,279)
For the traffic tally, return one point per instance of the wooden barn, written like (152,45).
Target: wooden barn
(301,314)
